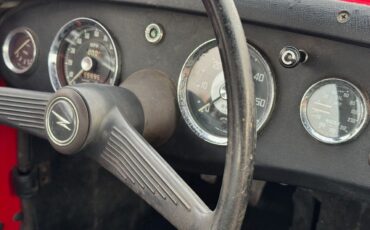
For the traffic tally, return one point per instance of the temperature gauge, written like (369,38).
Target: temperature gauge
(334,111)
(19,50)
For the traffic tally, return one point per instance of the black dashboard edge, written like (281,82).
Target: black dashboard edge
(298,15)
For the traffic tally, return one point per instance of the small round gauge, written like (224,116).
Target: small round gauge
(202,94)
(19,50)
(334,111)
(83,51)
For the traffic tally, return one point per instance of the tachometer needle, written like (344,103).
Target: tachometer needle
(21,47)
(206,107)
(77,76)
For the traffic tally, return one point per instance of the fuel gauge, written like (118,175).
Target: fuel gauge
(19,50)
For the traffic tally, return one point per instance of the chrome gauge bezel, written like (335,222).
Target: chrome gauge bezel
(59,38)
(183,99)
(328,140)
(6,47)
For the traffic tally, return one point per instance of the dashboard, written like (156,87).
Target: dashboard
(312,88)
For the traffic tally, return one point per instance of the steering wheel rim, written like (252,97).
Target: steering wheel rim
(113,120)
(229,213)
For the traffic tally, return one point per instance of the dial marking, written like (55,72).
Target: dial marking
(87,35)
(96,33)
(70,41)
(205,108)
(72,50)
(69,62)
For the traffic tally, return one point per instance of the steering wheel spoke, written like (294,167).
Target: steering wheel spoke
(24,109)
(128,156)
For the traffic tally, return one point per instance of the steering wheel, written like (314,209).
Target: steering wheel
(106,123)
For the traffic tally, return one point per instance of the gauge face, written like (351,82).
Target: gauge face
(202,94)
(333,111)
(19,50)
(83,52)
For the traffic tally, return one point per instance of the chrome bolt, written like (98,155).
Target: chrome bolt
(223,93)
(154,33)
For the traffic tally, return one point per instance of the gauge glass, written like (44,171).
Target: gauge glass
(83,52)
(19,50)
(202,94)
(334,111)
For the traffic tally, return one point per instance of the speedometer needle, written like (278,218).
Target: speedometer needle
(104,63)
(77,75)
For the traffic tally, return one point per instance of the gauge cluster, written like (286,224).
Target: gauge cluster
(332,111)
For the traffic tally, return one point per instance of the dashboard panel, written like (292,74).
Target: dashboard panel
(286,152)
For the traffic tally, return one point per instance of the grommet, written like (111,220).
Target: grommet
(154,33)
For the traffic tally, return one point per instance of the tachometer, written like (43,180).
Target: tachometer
(83,51)
(334,111)
(202,94)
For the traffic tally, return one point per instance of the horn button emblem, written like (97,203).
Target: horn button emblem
(62,121)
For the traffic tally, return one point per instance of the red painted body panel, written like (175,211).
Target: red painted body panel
(9,202)
(364,2)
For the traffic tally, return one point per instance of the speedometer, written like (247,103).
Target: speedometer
(202,94)
(334,111)
(83,51)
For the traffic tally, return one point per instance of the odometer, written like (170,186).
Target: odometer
(334,111)
(83,52)
(202,94)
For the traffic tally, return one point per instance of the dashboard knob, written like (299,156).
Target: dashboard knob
(290,57)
